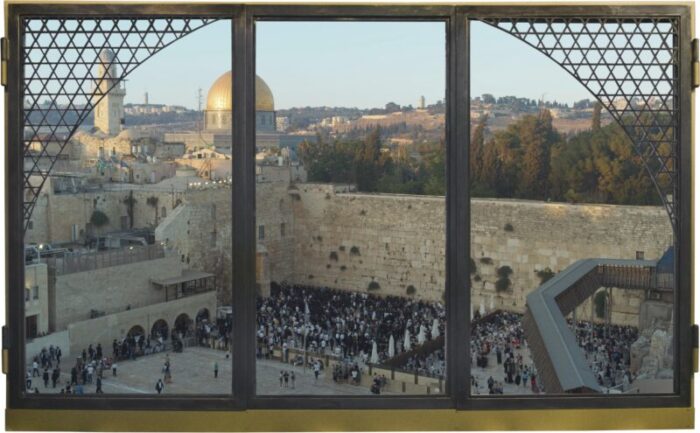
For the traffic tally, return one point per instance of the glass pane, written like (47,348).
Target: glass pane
(127,206)
(572,249)
(350,208)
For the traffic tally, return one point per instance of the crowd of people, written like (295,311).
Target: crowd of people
(430,364)
(93,363)
(500,335)
(88,369)
(347,372)
(607,349)
(347,326)
(214,334)
(341,323)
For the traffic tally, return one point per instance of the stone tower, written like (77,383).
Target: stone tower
(109,110)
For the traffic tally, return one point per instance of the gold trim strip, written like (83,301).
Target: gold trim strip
(349,420)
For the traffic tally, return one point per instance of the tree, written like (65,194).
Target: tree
(367,162)
(595,120)
(435,180)
(99,218)
(536,136)
(601,304)
(488,98)
(476,150)
(130,201)
(392,107)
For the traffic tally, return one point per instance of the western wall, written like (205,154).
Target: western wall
(327,235)
(348,240)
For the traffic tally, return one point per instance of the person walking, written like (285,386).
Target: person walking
(98,384)
(114,369)
(216,370)
(159,386)
(45,376)
(317,370)
(55,376)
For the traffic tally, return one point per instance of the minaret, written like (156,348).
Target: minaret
(109,111)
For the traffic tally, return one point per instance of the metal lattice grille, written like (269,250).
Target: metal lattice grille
(631,66)
(69,65)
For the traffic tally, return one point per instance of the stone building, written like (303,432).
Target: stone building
(109,110)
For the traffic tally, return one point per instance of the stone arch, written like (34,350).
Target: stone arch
(202,315)
(160,328)
(136,331)
(183,324)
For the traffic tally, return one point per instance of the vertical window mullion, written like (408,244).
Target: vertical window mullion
(243,212)
(457,198)
(683,296)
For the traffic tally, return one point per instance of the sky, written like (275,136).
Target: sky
(351,64)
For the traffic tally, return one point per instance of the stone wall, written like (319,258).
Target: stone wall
(105,329)
(55,215)
(334,237)
(60,339)
(398,241)
(111,289)
(37,279)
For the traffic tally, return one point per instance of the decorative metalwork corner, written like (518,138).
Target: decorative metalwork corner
(61,84)
(631,65)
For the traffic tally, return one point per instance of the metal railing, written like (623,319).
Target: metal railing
(89,261)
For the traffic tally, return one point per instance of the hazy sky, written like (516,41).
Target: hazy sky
(351,64)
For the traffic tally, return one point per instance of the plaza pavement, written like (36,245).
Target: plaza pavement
(193,373)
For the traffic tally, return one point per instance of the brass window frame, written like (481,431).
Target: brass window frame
(245,409)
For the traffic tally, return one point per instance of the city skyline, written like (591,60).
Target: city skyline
(317,64)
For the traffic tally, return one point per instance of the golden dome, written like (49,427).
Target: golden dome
(219,96)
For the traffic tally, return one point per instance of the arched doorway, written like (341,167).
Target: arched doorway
(203,327)
(160,329)
(182,332)
(202,315)
(136,332)
(133,344)
(183,325)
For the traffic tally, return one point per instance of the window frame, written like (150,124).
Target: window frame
(244,232)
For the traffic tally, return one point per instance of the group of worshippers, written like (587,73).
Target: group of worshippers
(346,324)
(607,349)
(347,372)
(46,365)
(430,364)
(500,335)
(215,335)
(88,370)
(378,382)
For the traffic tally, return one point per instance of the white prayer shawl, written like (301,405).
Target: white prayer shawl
(374,359)
(421,335)
(407,341)
(435,332)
